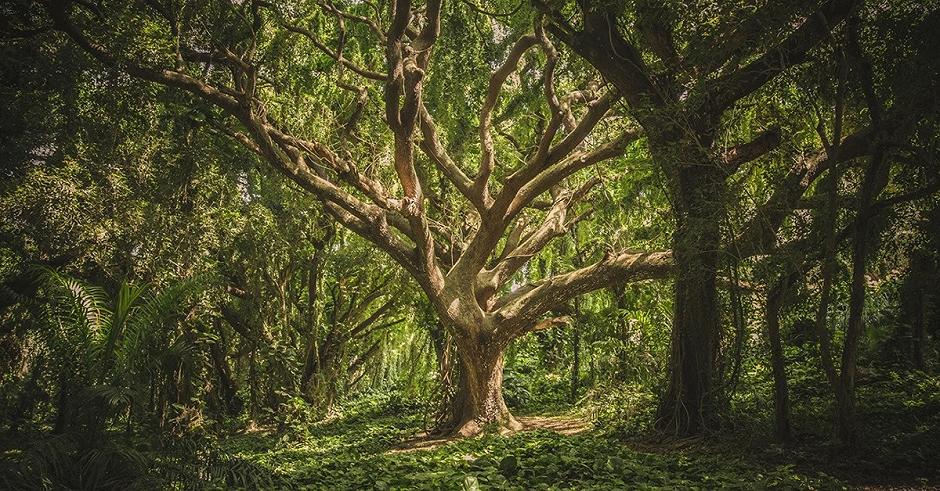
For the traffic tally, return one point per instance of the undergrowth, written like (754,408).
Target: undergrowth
(359,447)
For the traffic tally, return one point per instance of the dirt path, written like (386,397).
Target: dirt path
(563,425)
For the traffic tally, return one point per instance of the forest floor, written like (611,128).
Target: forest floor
(381,446)
(368,454)
(563,425)
(378,442)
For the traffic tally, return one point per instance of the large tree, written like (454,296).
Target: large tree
(228,56)
(686,83)
(353,102)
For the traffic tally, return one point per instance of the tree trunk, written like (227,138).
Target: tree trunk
(782,429)
(479,403)
(853,333)
(252,387)
(445,416)
(623,334)
(875,180)
(828,269)
(690,403)
(915,305)
(311,360)
(920,333)
(575,362)
(227,389)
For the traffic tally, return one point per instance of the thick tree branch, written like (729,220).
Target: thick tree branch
(558,172)
(487,159)
(429,33)
(602,45)
(733,158)
(522,308)
(760,232)
(373,317)
(556,223)
(793,50)
(170,78)
(653,23)
(434,149)
(715,50)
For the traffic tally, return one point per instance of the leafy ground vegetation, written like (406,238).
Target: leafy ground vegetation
(469,244)
(374,446)
(377,442)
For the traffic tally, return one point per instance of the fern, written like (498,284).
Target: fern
(106,347)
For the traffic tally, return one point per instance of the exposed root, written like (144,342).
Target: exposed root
(558,424)
(474,427)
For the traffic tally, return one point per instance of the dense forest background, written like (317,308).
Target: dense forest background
(352,244)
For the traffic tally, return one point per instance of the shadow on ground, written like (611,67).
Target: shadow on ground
(384,451)
(382,447)
(563,425)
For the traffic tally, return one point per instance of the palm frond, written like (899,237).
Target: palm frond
(78,303)
(124,309)
(152,315)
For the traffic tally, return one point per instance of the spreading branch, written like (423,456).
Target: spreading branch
(793,50)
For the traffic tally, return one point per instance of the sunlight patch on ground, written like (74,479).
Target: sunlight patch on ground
(562,425)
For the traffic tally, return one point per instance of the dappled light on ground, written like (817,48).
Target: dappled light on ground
(558,424)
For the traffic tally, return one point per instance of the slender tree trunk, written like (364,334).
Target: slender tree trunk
(163,382)
(782,429)
(575,362)
(445,418)
(828,219)
(228,390)
(252,387)
(311,358)
(322,380)
(623,361)
(850,348)
(875,180)
(441,341)
(920,333)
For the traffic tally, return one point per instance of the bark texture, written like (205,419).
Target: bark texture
(479,402)
(782,429)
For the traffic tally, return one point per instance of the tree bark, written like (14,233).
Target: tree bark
(689,405)
(915,305)
(575,362)
(228,389)
(311,358)
(782,428)
(623,360)
(875,180)
(478,403)
(920,333)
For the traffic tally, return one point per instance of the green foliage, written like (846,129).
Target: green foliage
(119,370)
(625,410)
(59,462)
(358,450)
(102,347)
